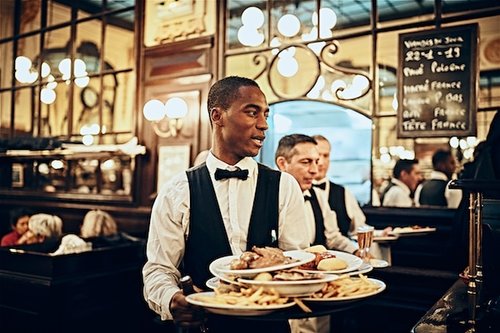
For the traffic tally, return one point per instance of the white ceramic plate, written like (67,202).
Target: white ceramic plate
(410,231)
(221,265)
(294,288)
(234,310)
(364,268)
(379,263)
(353,263)
(381,287)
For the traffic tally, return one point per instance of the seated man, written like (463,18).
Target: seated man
(341,200)
(406,177)
(435,191)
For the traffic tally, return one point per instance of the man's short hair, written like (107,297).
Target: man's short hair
(440,156)
(403,165)
(287,144)
(319,137)
(225,91)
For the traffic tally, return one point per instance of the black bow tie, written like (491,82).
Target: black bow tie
(307,197)
(321,186)
(224,174)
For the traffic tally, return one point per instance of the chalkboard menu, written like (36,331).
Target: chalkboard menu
(437,77)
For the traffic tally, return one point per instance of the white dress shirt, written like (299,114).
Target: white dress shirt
(334,238)
(398,195)
(169,225)
(353,210)
(453,196)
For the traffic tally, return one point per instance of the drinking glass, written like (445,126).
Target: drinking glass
(365,239)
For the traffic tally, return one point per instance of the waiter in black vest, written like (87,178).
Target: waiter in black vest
(341,200)
(222,207)
(297,154)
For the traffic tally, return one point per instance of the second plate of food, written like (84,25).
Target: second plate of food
(294,288)
(352,263)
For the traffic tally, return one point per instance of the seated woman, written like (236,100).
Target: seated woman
(19,223)
(98,223)
(100,228)
(42,228)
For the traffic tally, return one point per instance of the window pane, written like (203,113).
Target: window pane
(120,96)
(86,110)
(57,13)
(55,51)
(88,43)
(7,21)
(6,64)
(25,104)
(119,43)
(28,50)
(5,99)
(30,16)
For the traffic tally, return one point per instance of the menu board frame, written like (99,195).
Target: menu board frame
(432,105)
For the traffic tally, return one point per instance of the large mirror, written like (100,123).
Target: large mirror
(68,73)
(348,132)
(336,66)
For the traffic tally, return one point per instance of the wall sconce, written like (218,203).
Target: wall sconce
(166,119)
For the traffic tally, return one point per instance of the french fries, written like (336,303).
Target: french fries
(251,296)
(346,286)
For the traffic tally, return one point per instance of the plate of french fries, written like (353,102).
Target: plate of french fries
(241,301)
(347,288)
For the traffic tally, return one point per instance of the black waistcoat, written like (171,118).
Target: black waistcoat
(336,199)
(432,193)
(319,238)
(208,239)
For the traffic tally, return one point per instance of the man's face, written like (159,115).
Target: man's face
(243,125)
(303,165)
(412,178)
(449,166)
(324,159)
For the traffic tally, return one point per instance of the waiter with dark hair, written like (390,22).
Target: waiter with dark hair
(222,207)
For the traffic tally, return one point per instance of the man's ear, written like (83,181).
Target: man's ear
(216,116)
(281,163)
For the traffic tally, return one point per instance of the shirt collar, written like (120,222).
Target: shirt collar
(401,184)
(321,181)
(438,175)
(246,163)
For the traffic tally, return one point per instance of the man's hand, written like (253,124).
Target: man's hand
(185,314)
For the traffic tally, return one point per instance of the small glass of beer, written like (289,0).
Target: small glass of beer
(365,239)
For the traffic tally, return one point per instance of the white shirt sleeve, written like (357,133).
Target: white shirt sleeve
(334,238)
(453,196)
(166,242)
(293,232)
(354,212)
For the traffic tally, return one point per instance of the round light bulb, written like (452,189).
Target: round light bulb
(288,66)
(252,17)
(176,108)
(87,140)
(23,62)
(250,36)
(47,96)
(154,110)
(289,25)
(45,69)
